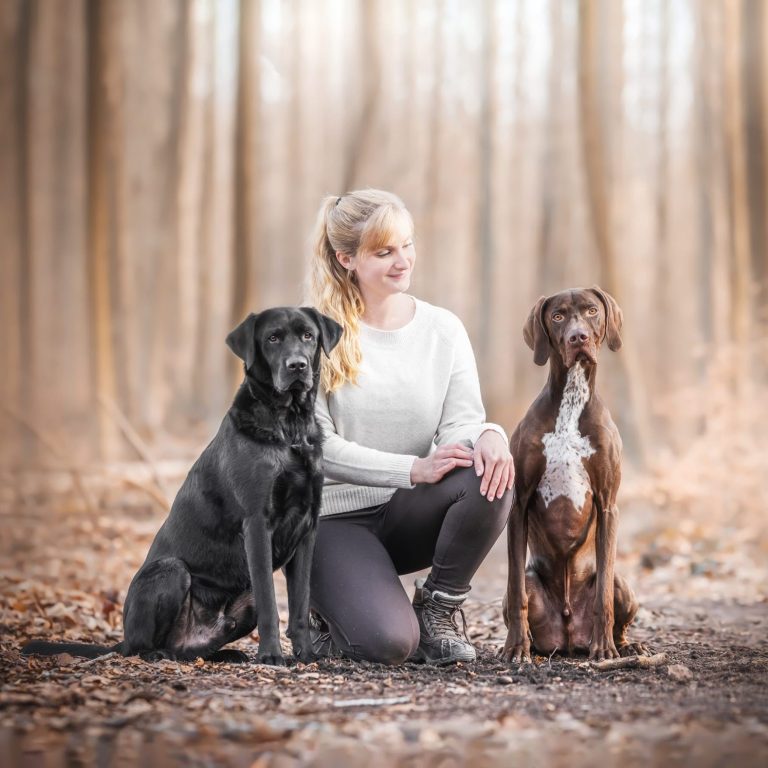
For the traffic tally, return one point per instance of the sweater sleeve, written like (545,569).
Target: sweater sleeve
(349,462)
(463,416)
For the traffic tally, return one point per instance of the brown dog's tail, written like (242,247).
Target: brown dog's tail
(85,650)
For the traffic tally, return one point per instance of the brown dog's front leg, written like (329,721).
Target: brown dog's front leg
(602,645)
(517,647)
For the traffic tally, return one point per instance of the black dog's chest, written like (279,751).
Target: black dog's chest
(290,514)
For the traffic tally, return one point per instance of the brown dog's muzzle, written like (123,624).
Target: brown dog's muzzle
(578,345)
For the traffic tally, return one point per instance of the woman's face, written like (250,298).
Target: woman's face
(384,271)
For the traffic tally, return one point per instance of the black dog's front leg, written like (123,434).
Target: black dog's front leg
(297,571)
(258,551)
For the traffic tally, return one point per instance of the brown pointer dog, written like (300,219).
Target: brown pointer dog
(567,454)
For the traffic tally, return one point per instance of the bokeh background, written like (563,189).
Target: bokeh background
(163,162)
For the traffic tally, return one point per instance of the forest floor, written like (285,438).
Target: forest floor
(72,543)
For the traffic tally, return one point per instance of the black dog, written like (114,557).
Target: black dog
(248,506)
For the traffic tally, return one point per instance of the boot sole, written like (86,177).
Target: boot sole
(420,658)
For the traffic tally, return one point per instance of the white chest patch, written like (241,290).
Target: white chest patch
(565,448)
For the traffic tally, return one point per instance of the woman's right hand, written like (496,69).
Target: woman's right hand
(434,467)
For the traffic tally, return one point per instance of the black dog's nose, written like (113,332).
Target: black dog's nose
(578,337)
(296,364)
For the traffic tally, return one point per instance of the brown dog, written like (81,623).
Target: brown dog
(567,454)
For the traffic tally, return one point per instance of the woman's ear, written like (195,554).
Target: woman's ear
(345,260)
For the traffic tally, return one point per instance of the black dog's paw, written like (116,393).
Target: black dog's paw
(273,659)
(229,656)
(157,656)
(305,657)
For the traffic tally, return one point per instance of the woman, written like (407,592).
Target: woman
(414,476)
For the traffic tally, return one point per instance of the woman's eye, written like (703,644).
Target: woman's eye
(383,253)
(557,317)
(408,245)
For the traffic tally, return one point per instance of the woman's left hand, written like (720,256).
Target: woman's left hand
(494,462)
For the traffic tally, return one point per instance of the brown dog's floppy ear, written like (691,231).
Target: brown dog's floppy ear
(614,318)
(241,341)
(330,330)
(535,334)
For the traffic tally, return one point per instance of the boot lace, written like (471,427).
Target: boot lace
(442,619)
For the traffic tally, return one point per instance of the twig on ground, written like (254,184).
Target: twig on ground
(549,660)
(372,702)
(630,662)
(39,605)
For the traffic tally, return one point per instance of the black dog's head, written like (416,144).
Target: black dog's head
(574,324)
(281,347)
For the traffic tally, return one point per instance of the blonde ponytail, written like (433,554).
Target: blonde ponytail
(364,218)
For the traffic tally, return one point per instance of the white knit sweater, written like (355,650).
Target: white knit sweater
(417,389)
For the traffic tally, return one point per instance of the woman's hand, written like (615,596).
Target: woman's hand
(494,462)
(438,464)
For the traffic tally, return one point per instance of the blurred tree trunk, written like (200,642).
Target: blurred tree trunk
(371,68)
(16,338)
(755,87)
(595,148)
(486,220)
(737,176)
(666,290)
(247,210)
(102,29)
(432,166)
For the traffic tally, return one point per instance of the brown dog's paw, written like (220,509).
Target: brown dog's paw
(602,649)
(516,653)
(634,649)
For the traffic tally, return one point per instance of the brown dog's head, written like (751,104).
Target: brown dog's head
(574,324)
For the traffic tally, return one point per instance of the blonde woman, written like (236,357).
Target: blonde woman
(414,476)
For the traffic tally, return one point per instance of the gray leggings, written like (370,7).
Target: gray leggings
(359,555)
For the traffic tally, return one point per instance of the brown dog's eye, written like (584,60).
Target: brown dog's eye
(308,336)
(592,311)
(558,317)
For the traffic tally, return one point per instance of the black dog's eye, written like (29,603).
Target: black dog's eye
(273,339)
(558,317)
(592,311)
(308,336)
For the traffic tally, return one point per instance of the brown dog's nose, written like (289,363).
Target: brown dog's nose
(296,363)
(578,337)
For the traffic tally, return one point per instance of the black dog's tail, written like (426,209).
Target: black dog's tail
(86,650)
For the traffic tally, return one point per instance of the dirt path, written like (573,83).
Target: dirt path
(64,575)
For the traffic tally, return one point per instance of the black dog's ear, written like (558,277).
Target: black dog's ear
(330,330)
(535,333)
(241,341)
(614,318)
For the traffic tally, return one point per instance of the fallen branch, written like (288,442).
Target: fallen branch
(631,662)
(372,702)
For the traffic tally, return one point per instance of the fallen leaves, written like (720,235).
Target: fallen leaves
(66,577)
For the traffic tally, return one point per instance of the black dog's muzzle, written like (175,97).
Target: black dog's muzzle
(294,373)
